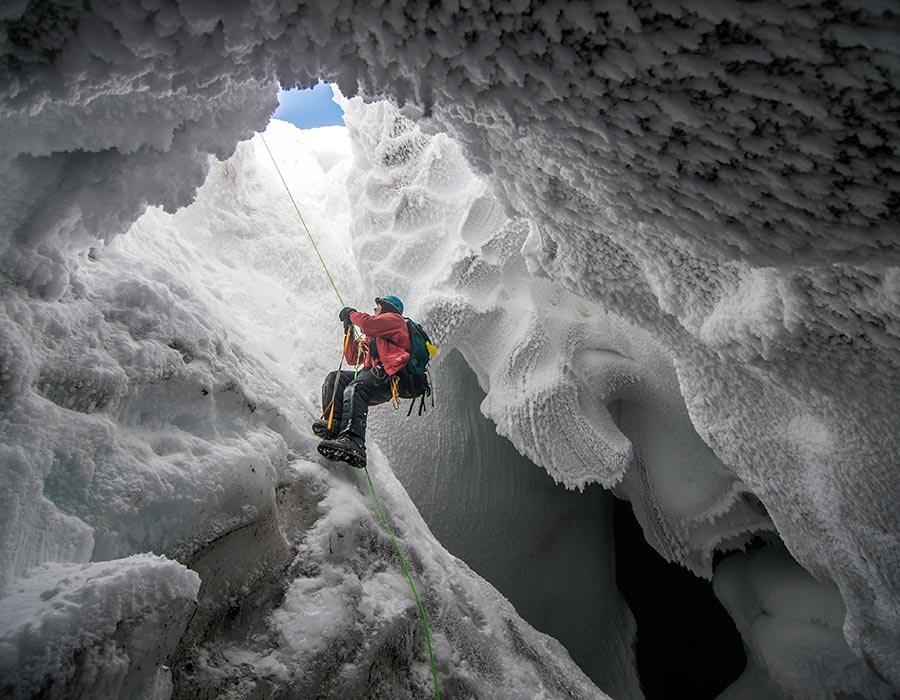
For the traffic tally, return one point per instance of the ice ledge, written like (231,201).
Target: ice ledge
(94,630)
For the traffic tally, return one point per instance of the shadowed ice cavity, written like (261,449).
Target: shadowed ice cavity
(791,625)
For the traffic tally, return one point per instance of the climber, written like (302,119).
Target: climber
(384,350)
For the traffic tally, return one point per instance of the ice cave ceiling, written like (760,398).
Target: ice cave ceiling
(718,183)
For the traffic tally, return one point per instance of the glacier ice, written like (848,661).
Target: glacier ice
(547,549)
(163,413)
(103,629)
(791,625)
(563,361)
(710,189)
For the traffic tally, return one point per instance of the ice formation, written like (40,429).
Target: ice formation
(166,409)
(579,390)
(791,625)
(123,620)
(704,314)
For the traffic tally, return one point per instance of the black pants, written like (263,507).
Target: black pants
(353,398)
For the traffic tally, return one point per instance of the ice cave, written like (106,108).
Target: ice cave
(658,244)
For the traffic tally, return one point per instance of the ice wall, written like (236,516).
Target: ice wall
(791,626)
(165,408)
(721,175)
(141,417)
(582,392)
(549,550)
(427,228)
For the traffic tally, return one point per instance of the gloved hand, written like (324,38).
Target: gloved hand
(345,316)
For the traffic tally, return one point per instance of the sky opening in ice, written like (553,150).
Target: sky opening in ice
(309,108)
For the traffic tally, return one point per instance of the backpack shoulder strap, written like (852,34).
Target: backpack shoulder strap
(418,328)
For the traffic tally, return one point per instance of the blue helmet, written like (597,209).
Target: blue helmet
(390,300)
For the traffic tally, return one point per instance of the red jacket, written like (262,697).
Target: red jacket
(391,340)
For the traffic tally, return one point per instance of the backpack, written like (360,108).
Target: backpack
(414,380)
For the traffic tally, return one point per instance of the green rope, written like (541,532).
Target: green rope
(297,209)
(420,606)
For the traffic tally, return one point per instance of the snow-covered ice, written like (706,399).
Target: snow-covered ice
(103,629)
(663,235)
(791,626)
(167,413)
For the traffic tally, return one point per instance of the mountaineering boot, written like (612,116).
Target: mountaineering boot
(320,429)
(344,449)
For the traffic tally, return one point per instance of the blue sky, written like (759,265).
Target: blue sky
(309,108)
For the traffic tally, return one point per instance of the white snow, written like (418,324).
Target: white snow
(166,411)
(694,298)
(95,630)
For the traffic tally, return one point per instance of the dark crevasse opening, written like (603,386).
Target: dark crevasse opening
(687,644)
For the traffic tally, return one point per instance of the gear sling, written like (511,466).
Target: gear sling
(414,380)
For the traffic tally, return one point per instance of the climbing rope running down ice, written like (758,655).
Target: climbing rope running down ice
(379,507)
(305,227)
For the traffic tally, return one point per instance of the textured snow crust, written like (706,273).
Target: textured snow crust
(95,630)
(722,175)
(576,389)
(347,626)
(565,380)
(164,407)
